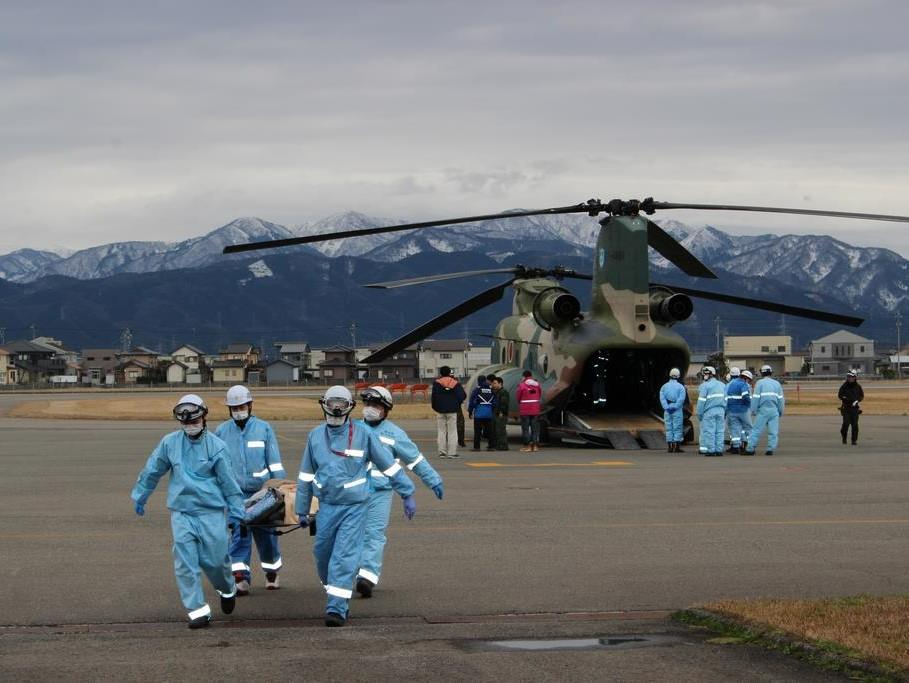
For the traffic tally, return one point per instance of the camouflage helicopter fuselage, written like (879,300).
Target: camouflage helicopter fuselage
(613,358)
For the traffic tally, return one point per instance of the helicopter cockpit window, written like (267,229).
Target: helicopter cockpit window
(503,355)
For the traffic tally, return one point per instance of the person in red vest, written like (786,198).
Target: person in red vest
(529,395)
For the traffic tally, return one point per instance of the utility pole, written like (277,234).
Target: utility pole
(34,330)
(899,351)
(353,335)
(717,321)
(2,335)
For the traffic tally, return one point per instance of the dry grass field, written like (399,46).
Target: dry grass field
(882,398)
(875,626)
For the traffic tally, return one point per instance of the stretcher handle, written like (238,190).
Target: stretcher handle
(244,528)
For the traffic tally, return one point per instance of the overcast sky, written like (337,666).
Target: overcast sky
(164,120)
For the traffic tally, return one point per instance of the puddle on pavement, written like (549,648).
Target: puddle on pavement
(544,644)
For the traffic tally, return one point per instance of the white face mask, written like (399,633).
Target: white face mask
(193,430)
(241,414)
(372,414)
(335,420)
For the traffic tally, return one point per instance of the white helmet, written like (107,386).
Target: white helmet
(337,401)
(674,373)
(734,372)
(766,370)
(747,374)
(379,395)
(190,408)
(852,373)
(238,395)
(709,370)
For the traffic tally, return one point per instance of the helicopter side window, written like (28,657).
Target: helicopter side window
(544,363)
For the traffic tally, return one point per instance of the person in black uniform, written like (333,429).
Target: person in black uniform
(851,397)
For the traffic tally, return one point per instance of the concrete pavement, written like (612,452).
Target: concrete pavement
(537,537)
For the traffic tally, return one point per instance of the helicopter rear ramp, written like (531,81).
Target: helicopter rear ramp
(621,431)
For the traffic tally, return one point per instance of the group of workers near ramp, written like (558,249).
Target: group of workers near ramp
(351,466)
(743,411)
(746,413)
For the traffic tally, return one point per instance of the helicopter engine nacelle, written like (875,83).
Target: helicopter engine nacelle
(668,307)
(555,306)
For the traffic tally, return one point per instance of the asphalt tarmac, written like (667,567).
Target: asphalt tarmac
(568,543)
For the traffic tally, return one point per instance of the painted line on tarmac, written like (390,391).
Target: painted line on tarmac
(596,463)
(318,622)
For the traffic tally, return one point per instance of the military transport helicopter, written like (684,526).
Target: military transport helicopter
(601,370)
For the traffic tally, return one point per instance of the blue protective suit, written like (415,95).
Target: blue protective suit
(711,414)
(767,407)
(255,458)
(335,470)
(200,489)
(738,416)
(672,395)
(405,452)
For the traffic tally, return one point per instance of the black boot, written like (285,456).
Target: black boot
(200,622)
(334,619)
(364,587)
(228,604)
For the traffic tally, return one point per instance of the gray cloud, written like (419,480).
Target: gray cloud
(165,120)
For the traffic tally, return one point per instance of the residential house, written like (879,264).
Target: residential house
(752,352)
(175,372)
(434,353)
(296,352)
(34,363)
(243,351)
(281,371)
(7,371)
(402,367)
(139,364)
(230,371)
(837,353)
(339,365)
(99,366)
(478,357)
(899,363)
(133,371)
(60,351)
(187,365)
(237,363)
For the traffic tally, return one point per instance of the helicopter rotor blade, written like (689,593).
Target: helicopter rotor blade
(453,315)
(773,209)
(593,207)
(519,271)
(435,278)
(670,248)
(798,311)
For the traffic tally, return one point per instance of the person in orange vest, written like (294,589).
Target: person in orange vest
(529,395)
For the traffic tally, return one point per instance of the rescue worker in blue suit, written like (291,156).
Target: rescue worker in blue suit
(767,406)
(200,489)
(711,412)
(255,458)
(335,470)
(377,402)
(672,398)
(738,417)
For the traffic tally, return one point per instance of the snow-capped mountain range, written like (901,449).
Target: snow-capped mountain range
(861,277)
